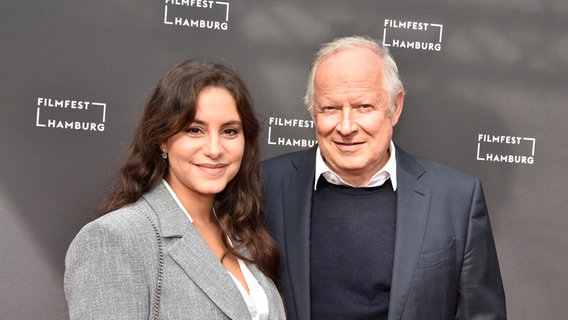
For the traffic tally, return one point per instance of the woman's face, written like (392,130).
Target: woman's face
(207,154)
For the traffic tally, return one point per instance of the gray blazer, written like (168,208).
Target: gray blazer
(445,263)
(111,268)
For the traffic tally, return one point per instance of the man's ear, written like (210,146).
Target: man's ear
(398,103)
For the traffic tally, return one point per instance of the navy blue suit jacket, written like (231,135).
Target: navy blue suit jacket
(445,263)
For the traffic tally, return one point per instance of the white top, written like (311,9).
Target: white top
(378,179)
(256,299)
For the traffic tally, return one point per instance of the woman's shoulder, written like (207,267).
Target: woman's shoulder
(125,225)
(131,216)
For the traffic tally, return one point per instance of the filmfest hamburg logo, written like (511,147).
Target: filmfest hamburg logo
(74,115)
(505,149)
(198,14)
(290,132)
(414,35)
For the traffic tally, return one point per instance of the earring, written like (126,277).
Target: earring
(164,155)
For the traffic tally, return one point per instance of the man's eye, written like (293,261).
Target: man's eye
(366,108)
(329,109)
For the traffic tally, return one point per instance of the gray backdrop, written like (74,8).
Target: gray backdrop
(486,91)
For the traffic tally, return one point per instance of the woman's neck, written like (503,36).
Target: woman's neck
(199,206)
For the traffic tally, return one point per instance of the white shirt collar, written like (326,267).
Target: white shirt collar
(177,200)
(378,179)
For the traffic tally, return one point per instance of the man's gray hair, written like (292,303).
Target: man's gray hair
(392,82)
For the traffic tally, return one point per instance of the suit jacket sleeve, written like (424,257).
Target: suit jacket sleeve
(105,273)
(481,294)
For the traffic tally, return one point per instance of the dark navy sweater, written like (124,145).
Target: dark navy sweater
(352,249)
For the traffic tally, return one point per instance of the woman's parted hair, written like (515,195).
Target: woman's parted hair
(170,108)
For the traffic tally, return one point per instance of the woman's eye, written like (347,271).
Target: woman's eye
(193,130)
(231,131)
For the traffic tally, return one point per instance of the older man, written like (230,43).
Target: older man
(367,231)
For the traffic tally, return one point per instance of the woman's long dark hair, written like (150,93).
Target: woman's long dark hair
(171,107)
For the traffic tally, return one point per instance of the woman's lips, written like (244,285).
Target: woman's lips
(212,169)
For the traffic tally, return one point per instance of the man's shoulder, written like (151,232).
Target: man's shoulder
(290,158)
(431,167)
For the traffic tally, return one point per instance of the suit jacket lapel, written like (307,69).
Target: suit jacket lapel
(413,205)
(297,201)
(194,255)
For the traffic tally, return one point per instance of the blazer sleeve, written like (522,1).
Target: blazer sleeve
(481,294)
(105,273)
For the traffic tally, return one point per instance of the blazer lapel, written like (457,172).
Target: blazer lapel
(297,201)
(194,256)
(413,205)
(201,265)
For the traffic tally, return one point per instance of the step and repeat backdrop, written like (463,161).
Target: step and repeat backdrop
(486,85)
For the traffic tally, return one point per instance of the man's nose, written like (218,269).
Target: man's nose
(347,125)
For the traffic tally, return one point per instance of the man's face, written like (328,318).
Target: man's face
(352,116)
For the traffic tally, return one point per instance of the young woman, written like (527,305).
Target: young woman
(183,237)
